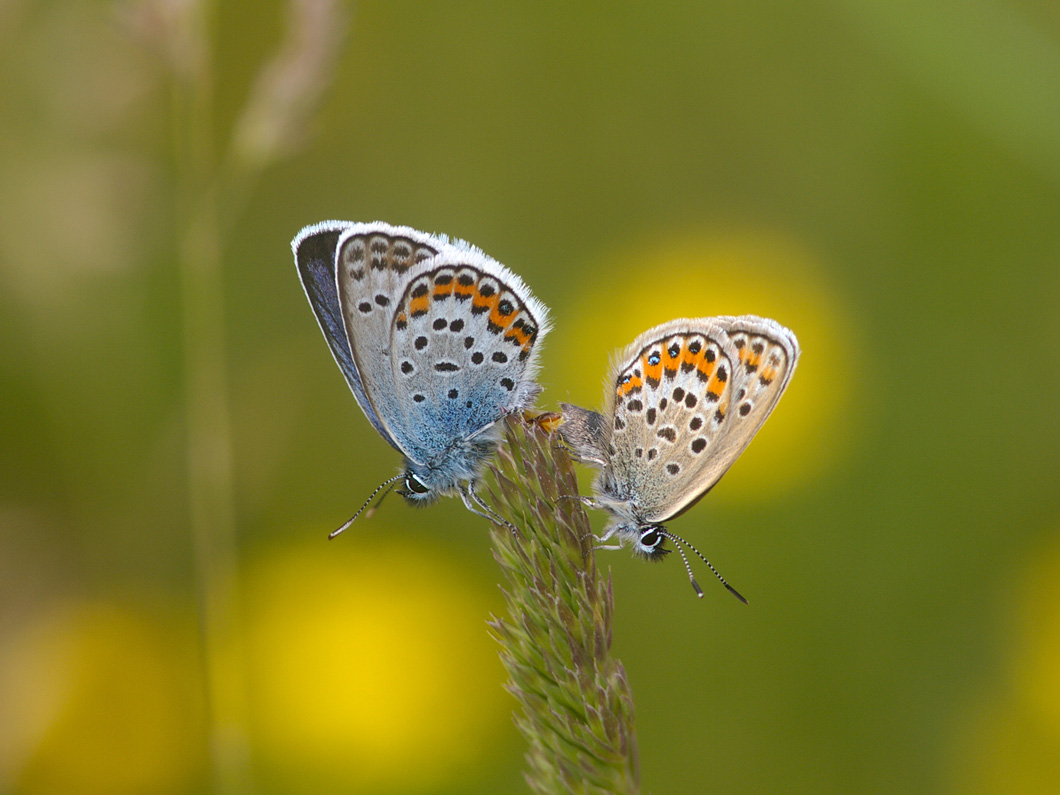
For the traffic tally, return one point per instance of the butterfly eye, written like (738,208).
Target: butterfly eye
(650,539)
(414,484)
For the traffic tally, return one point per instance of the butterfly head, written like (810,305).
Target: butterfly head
(649,541)
(419,487)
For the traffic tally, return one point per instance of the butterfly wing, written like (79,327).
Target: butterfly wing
(768,354)
(443,336)
(685,399)
(586,433)
(314,253)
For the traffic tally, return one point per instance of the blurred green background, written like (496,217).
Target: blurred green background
(881,176)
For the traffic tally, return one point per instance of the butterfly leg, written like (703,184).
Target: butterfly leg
(600,539)
(469,496)
(589,502)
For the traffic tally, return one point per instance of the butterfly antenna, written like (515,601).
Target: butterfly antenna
(688,568)
(677,544)
(367,502)
(379,502)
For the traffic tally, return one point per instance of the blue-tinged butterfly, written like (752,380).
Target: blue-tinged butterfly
(437,340)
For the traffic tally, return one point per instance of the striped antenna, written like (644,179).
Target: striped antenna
(371,497)
(677,542)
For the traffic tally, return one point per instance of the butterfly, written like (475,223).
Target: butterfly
(437,341)
(682,401)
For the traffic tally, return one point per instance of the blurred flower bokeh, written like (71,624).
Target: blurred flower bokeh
(880,176)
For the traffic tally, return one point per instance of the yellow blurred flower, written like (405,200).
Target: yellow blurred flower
(372,668)
(1010,741)
(97,698)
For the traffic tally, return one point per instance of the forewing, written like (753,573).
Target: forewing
(314,253)
(464,343)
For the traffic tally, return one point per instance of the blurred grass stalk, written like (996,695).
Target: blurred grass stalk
(577,709)
(210,194)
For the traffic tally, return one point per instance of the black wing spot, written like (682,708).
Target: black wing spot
(744,410)
(453,394)
(420,343)
(499,357)
(698,445)
(635,405)
(456,325)
(673,469)
(619,423)
(690,400)
(364,307)
(477,357)
(668,433)
(446,367)
(406,367)
(508,384)
(419,398)
(468,342)
(382,300)
(696,423)
(439,324)
(650,416)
